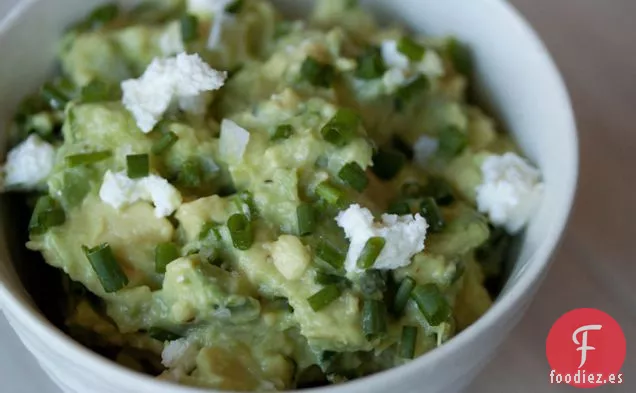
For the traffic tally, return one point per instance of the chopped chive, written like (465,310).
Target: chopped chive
(408,341)
(432,303)
(460,269)
(372,284)
(324,297)
(411,49)
(353,175)
(282,29)
(87,158)
(247,199)
(430,211)
(491,255)
(164,143)
(102,15)
(452,141)
(306,216)
(370,64)
(330,255)
(411,190)
(440,190)
(211,255)
(43,204)
(317,73)
(189,28)
(151,12)
(323,278)
(241,232)
(190,173)
(98,91)
(232,72)
(137,165)
(341,128)
(164,254)
(400,208)
(402,295)
(329,193)
(370,252)
(387,163)
(235,7)
(283,131)
(28,107)
(53,218)
(406,93)
(373,318)
(54,96)
(108,271)
(162,335)
(46,214)
(460,56)
(280,304)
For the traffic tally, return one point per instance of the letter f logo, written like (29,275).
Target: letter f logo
(583,344)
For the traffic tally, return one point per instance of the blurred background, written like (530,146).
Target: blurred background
(594,44)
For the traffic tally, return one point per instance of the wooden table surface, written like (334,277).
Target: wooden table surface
(594,44)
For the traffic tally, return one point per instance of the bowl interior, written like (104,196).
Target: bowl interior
(515,79)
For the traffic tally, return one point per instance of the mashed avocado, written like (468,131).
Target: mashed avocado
(207,251)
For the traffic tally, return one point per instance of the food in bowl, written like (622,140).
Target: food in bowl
(244,202)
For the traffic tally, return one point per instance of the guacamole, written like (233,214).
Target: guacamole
(246,202)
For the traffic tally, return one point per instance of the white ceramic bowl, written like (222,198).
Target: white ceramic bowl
(517,78)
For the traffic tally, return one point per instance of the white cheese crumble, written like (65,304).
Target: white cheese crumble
(392,57)
(118,190)
(174,352)
(424,149)
(400,70)
(404,237)
(510,191)
(233,141)
(182,78)
(28,164)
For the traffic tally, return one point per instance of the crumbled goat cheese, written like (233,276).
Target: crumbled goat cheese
(424,148)
(182,78)
(118,190)
(400,70)
(510,191)
(233,141)
(392,57)
(175,351)
(404,237)
(28,164)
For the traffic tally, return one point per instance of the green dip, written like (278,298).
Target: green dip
(243,286)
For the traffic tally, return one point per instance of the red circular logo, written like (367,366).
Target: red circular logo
(586,348)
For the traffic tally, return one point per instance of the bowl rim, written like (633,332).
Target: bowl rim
(21,308)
